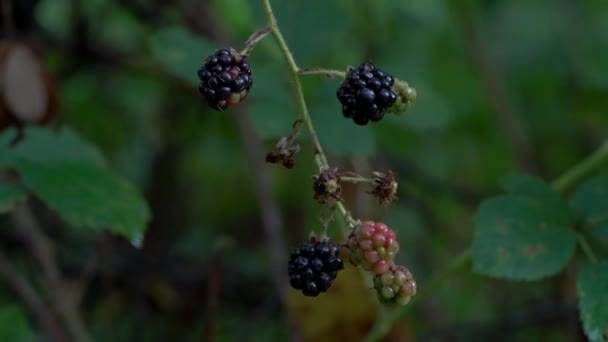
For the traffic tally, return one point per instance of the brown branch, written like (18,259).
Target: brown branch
(494,86)
(42,251)
(32,301)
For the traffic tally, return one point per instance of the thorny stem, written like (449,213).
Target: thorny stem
(320,158)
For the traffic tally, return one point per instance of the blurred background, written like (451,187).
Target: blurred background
(503,87)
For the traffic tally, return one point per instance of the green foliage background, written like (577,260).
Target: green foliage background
(127,84)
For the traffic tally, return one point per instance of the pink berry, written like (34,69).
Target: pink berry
(373,246)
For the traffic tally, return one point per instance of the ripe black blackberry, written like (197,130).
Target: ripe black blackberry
(366,94)
(225,79)
(313,266)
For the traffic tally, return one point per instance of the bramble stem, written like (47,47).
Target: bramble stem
(586,248)
(580,171)
(356,180)
(321,71)
(320,157)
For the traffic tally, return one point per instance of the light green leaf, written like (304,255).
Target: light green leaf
(180,52)
(523,235)
(10,194)
(85,195)
(14,325)
(592,286)
(47,146)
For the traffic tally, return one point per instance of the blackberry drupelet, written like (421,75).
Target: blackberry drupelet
(396,286)
(373,246)
(366,94)
(225,79)
(313,265)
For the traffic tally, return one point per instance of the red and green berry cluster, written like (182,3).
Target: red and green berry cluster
(396,286)
(373,246)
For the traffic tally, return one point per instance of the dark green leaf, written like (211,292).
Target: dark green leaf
(521,237)
(85,195)
(14,325)
(47,146)
(590,200)
(10,194)
(592,288)
(271,113)
(180,52)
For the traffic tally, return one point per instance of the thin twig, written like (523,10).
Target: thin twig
(320,71)
(42,251)
(32,301)
(582,170)
(255,38)
(319,156)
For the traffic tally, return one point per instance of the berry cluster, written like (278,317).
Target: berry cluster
(373,246)
(313,266)
(397,286)
(225,79)
(366,94)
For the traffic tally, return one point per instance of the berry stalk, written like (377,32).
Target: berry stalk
(320,157)
(321,71)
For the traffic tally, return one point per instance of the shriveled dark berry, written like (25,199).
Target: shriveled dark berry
(313,265)
(365,94)
(225,79)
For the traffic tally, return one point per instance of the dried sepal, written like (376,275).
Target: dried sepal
(284,151)
(385,187)
(327,186)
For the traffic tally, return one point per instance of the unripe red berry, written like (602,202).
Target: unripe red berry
(373,246)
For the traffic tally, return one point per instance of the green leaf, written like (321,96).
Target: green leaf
(531,187)
(271,113)
(68,174)
(14,325)
(47,146)
(523,235)
(590,200)
(85,195)
(180,52)
(10,194)
(592,288)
